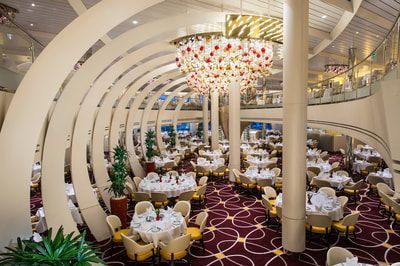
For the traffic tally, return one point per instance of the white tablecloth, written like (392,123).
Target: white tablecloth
(359,165)
(320,204)
(324,166)
(386,176)
(170,226)
(260,163)
(210,166)
(258,152)
(212,154)
(366,153)
(255,175)
(312,153)
(41,226)
(335,180)
(167,186)
(172,155)
(160,162)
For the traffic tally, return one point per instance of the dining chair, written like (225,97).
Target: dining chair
(368,169)
(343,201)
(141,196)
(114,226)
(176,249)
(200,194)
(137,181)
(342,173)
(315,170)
(383,188)
(373,180)
(246,164)
(270,211)
(152,175)
(202,181)
(184,208)
(196,233)
(247,183)
(220,171)
(347,224)
(236,173)
(131,190)
(321,183)
(194,166)
(318,224)
(279,217)
(262,183)
(186,196)
(337,255)
(142,207)
(271,166)
(328,191)
(277,171)
(202,170)
(168,166)
(353,189)
(271,194)
(138,252)
(159,199)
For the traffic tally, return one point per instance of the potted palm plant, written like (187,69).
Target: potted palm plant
(150,152)
(48,250)
(119,201)
(172,137)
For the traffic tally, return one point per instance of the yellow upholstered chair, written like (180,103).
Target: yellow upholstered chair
(192,175)
(168,166)
(202,171)
(141,207)
(177,249)
(262,183)
(270,192)
(342,173)
(136,251)
(196,233)
(114,226)
(328,191)
(318,224)
(315,170)
(347,224)
(383,188)
(236,173)
(137,181)
(141,196)
(184,208)
(159,199)
(343,201)
(220,171)
(373,180)
(369,169)
(353,189)
(270,211)
(185,196)
(200,194)
(337,256)
(247,183)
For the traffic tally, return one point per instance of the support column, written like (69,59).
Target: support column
(205,119)
(234,129)
(214,120)
(295,72)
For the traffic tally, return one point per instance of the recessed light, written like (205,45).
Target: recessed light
(31,24)
(10,36)
(333,46)
(323,16)
(33,4)
(377,36)
(135,22)
(357,32)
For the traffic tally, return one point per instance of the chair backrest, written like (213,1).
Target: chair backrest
(192,175)
(201,152)
(36,178)
(319,220)
(186,196)
(277,171)
(131,246)
(271,166)
(322,154)
(141,207)
(244,179)
(273,154)
(342,151)
(253,168)
(201,169)
(310,175)
(178,244)
(351,219)
(193,165)
(129,187)
(343,201)
(315,170)
(236,172)
(246,164)
(203,180)
(359,146)
(374,159)
(202,190)
(342,173)
(337,255)
(270,192)
(114,223)
(335,164)
(221,161)
(173,173)
(141,196)
(159,197)
(184,208)
(152,175)
(169,165)
(263,182)
(375,179)
(328,191)
(321,183)
(137,180)
(264,201)
(279,211)
(220,169)
(394,205)
(357,185)
(384,188)
(201,220)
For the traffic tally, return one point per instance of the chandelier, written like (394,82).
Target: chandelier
(7,13)
(212,61)
(336,68)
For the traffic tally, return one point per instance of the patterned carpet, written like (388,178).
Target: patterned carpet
(237,234)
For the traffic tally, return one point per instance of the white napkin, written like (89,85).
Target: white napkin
(352,261)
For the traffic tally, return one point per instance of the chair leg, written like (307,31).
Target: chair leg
(202,244)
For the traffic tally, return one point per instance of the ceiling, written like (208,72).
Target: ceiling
(43,19)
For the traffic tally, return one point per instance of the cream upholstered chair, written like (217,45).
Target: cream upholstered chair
(347,224)
(271,194)
(114,226)
(136,251)
(246,164)
(35,180)
(142,207)
(273,154)
(274,160)
(343,201)
(373,180)
(152,175)
(184,208)
(369,169)
(310,177)
(271,166)
(236,173)
(270,211)
(130,189)
(342,173)
(383,188)
(196,233)
(262,183)
(185,196)
(137,181)
(320,183)
(335,164)
(192,175)
(159,199)
(247,183)
(328,191)
(277,171)
(194,166)
(353,189)
(200,194)
(318,224)
(141,196)
(168,166)
(387,202)
(173,173)
(279,218)
(220,171)
(337,255)
(177,249)
(202,181)
(315,170)
(202,170)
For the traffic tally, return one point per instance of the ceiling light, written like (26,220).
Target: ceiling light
(9,36)
(357,32)
(135,22)
(33,4)
(333,46)
(377,36)
(323,16)
(31,24)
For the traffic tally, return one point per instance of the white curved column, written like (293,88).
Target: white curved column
(205,119)
(178,109)
(32,101)
(104,113)
(214,120)
(234,129)
(295,74)
(160,143)
(150,104)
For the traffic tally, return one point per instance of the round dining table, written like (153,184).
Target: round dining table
(168,185)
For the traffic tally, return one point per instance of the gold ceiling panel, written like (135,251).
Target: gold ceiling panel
(256,27)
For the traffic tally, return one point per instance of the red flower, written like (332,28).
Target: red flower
(188,49)
(263,50)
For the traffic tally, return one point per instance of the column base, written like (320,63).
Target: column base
(293,235)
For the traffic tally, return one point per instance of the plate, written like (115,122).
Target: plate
(176,223)
(155,229)
(136,225)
